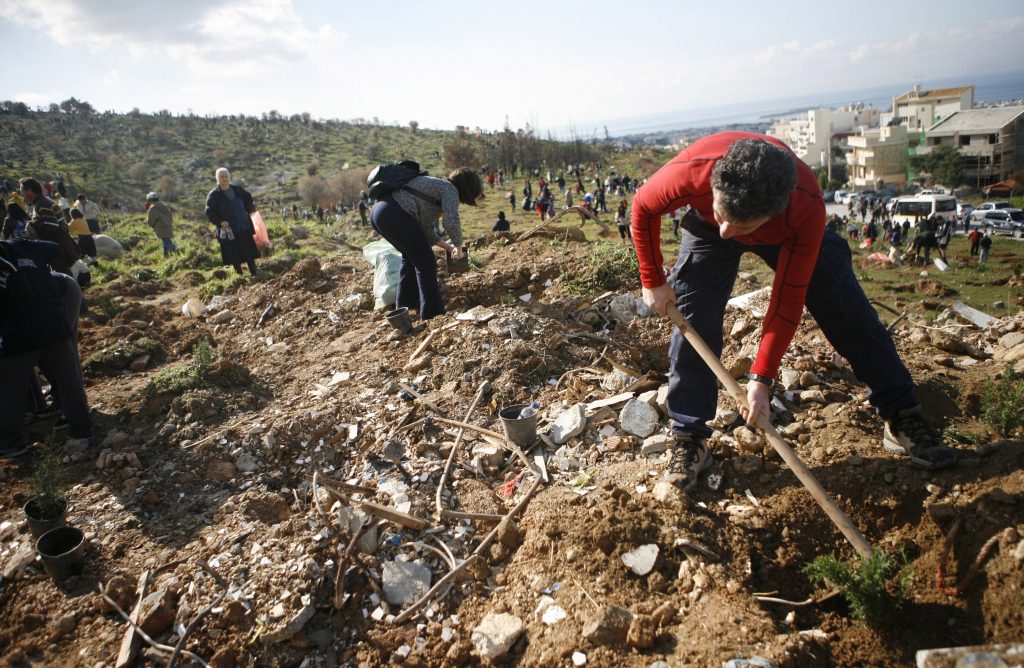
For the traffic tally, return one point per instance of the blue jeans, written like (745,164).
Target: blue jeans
(703,278)
(169,246)
(418,289)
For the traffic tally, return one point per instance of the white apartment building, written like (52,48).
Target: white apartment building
(990,141)
(810,137)
(878,154)
(920,109)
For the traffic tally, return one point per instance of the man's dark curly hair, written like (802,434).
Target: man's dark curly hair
(754,178)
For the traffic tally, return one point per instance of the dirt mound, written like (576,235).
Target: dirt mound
(221,444)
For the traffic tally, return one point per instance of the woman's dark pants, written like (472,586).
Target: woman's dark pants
(418,288)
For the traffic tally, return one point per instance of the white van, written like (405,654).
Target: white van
(924,206)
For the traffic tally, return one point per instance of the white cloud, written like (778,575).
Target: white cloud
(35,99)
(227,37)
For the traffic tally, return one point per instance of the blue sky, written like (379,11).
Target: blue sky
(447,63)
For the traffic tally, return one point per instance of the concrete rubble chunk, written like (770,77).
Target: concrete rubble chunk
(221,317)
(1002,654)
(1012,339)
(808,379)
(649,397)
(812,396)
(663,399)
(656,444)
(609,626)
(293,625)
(641,560)
(157,612)
(491,455)
(614,400)
(405,581)
(666,492)
(625,308)
(617,380)
(747,439)
(790,379)
(638,418)
(495,634)
(570,423)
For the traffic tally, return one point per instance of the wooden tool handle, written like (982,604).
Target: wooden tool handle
(807,479)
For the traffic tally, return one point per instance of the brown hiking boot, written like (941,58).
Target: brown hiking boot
(690,455)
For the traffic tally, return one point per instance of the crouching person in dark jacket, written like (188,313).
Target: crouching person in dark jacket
(35,330)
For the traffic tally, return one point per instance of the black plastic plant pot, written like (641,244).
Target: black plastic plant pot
(40,522)
(62,551)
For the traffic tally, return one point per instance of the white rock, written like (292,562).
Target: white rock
(638,418)
(246,463)
(570,423)
(614,400)
(616,381)
(490,455)
(221,317)
(808,379)
(747,440)
(656,444)
(813,396)
(649,397)
(790,379)
(666,492)
(496,634)
(663,399)
(405,581)
(579,659)
(641,560)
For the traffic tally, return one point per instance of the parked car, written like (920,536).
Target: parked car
(979,213)
(841,197)
(829,196)
(1009,221)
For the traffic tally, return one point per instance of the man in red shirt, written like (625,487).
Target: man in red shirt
(748,192)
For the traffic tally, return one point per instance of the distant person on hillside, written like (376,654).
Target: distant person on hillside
(974,237)
(406,218)
(79,230)
(47,224)
(501,225)
(362,211)
(985,244)
(15,218)
(622,221)
(161,219)
(749,193)
(92,212)
(228,207)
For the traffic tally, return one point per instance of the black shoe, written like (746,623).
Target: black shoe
(61,424)
(911,435)
(29,418)
(690,455)
(48,411)
(11,453)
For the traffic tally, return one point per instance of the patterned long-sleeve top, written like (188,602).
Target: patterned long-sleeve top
(428,213)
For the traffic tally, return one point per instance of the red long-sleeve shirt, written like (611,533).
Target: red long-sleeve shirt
(686,180)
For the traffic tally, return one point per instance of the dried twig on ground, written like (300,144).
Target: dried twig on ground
(408,613)
(202,613)
(346,557)
(145,636)
(484,389)
(798,604)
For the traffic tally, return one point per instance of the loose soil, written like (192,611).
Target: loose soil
(225,468)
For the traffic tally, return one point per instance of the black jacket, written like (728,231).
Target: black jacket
(219,207)
(31,310)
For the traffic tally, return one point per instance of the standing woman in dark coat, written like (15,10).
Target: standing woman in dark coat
(228,207)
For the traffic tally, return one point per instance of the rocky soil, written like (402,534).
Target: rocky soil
(287,491)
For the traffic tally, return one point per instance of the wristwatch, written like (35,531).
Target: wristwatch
(761,379)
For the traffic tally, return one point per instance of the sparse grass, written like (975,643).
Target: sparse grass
(875,588)
(1002,402)
(611,267)
(188,375)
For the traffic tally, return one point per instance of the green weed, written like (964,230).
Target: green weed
(875,588)
(186,376)
(611,267)
(1001,402)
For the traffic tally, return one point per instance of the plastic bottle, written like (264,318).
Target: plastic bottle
(529,411)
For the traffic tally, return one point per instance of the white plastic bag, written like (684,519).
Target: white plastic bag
(386,262)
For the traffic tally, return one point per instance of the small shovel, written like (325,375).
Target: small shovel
(807,479)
